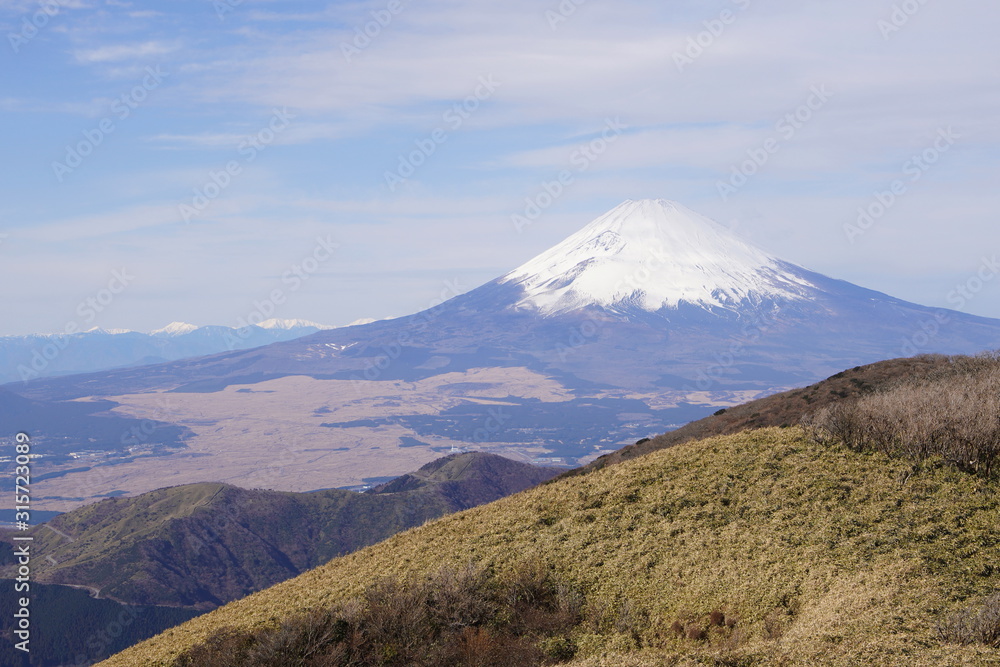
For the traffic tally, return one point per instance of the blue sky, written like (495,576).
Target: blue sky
(214,150)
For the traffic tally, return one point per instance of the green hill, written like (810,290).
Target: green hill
(761,548)
(202,545)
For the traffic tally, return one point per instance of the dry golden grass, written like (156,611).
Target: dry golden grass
(824,556)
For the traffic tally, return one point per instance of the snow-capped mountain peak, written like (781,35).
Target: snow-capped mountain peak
(174,329)
(652,254)
(290,324)
(109,332)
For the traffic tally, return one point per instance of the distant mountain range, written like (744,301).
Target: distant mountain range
(24,358)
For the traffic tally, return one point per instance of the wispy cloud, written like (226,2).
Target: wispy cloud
(119,52)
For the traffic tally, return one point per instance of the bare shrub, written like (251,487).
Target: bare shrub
(461,616)
(954,415)
(979,624)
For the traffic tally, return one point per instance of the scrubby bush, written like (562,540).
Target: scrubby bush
(977,624)
(954,415)
(455,617)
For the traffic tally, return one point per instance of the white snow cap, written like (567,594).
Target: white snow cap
(109,332)
(174,329)
(290,324)
(652,254)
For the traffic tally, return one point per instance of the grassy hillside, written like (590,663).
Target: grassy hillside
(762,548)
(790,407)
(201,545)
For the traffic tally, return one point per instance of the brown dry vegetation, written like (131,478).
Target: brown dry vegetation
(954,415)
(820,555)
(977,624)
(788,408)
(457,616)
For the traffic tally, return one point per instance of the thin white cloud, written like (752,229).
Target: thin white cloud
(298,133)
(103,225)
(119,52)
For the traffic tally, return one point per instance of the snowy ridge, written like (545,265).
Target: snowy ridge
(183,328)
(109,332)
(174,329)
(291,324)
(653,254)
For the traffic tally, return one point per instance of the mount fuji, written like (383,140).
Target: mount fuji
(650,256)
(647,318)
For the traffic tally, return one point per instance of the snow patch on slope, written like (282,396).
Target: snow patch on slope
(652,254)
